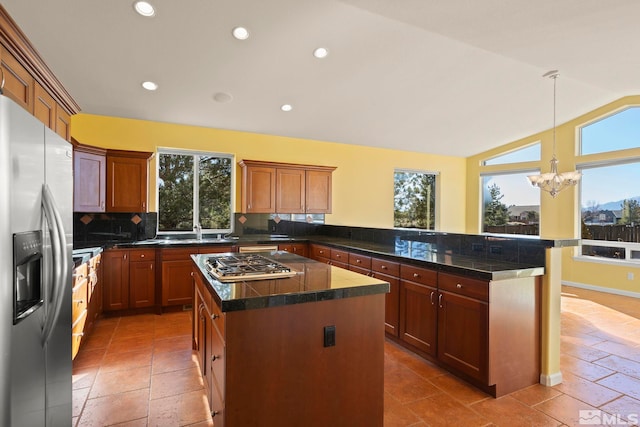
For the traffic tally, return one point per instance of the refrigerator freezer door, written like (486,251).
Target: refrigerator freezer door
(59,179)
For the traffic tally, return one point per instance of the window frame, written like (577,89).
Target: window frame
(196,202)
(599,160)
(436,214)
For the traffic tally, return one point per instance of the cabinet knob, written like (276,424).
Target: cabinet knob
(321,252)
(214,316)
(214,358)
(214,413)
(459,286)
(416,275)
(141,255)
(337,255)
(358,261)
(384,267)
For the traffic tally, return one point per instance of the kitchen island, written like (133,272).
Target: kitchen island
(302,350)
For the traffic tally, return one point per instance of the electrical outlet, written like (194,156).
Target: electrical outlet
(629,276)
(329,336)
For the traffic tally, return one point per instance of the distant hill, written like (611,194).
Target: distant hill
(613,206)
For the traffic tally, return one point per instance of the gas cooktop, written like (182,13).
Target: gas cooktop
(245,266)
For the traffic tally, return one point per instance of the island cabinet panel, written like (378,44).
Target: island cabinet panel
(89,179)
(307,384)
(418,309)
(389,271)
(127,181)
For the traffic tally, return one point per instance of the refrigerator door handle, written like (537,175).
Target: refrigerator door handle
(60,261)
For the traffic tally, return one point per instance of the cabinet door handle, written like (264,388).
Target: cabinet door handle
(440,300)
(2,81)
(431,297)
(124,256)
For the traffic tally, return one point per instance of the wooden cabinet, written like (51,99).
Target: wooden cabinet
(78,307)
(129,278)
(269,187)
(127,181)
(418,308)
(389,271)
(320,253)
(295,248)
(94,290)
(346,380)
(89,179)
(177,282)
(18,82)
(44,106)
(63,123)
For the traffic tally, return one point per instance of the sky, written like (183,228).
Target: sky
(601,185)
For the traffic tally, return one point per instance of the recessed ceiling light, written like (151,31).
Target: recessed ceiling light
(144,8)
(320,52)
(150,85)
(240,33)
(286,107)
(222,97)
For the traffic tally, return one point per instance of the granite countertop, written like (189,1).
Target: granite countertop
(480,268)
(314,281)
(80,256)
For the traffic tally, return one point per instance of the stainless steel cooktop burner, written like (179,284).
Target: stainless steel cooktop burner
(245,266)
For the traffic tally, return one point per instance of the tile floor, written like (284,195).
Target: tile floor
(139,371)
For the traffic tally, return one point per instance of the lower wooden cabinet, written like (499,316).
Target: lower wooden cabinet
(389,271)
(129,279)
(294,248)
(177,284)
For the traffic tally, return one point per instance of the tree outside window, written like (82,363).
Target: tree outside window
(194,189)
(414,200)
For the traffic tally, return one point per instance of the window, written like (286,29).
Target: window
(194,188)
(526,154)
(414,199)
(510,204)
(609,192)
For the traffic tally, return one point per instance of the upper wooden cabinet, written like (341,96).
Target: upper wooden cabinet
(89,179)
(30,82)
(127,181)
(18,83)
(269,187)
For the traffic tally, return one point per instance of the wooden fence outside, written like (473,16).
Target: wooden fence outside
(612,233)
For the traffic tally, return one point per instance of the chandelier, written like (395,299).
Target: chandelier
(554,182)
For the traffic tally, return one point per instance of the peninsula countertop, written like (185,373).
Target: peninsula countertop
(313,282)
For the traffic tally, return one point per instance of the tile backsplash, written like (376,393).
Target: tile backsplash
(97,229)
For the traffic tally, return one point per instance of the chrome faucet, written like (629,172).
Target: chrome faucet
(198,229)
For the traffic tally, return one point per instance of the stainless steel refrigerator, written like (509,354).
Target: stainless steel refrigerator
(36,202)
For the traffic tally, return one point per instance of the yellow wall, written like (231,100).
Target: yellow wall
(362,182)
(559,216)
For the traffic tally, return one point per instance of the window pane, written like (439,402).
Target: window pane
(511,204)
(414,200)
(527,154)
(215,192)
(617,132)
(175,192)
(610,199)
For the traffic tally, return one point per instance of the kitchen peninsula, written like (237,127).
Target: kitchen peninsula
(302,350)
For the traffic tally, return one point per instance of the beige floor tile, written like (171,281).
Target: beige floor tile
(535,394)
(406,386)
(117,408)
(508,411)
(565,409)
(114,382)
(623,384)
(442,410)
(458,389)
(179,410)
(175,382)
(620,364)
(587,370)
(591,393)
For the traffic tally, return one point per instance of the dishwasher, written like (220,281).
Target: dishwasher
(257,248)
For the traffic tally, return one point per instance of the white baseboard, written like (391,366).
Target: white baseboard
(602,289)
(551,380)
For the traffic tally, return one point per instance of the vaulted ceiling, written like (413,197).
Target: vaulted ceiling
(454,77)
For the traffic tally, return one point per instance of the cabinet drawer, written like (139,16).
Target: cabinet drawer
(320,252)
(473,288)
(77,332)
(79,299)
(178,254)
(142,255)
(385,267)
(340,256)
(218,358)
(424,276)
(80,273)
(360,261)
